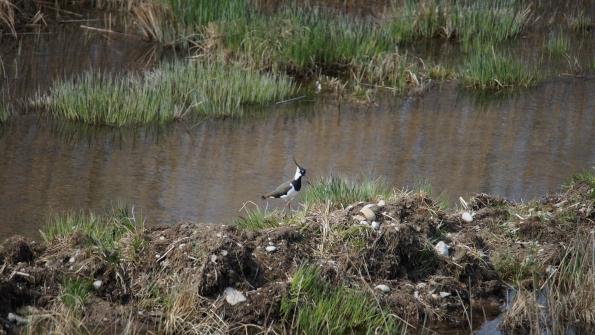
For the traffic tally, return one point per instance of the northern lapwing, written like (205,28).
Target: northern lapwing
(289,189)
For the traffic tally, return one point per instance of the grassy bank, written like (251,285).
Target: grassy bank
(170,92)
(327,269)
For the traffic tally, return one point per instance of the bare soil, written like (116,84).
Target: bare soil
(425,287)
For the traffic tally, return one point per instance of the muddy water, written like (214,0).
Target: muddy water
(518,146)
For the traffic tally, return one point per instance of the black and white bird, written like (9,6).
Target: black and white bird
(289,189)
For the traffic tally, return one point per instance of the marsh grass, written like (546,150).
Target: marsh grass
(487,70)
(340,192)
(170,92)
(314,306)
(586,177)
(579,21)
(75,292)
(464,21)
(557,45)
(257,219)
(98,231)
(5,112)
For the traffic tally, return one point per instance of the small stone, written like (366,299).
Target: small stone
(375,225)
(97,284)
(368,213)
(348,208)
(416,295)
(444,294)
(271,243)
(16,318)
(181,246)
(383,288)
(442,248)
(161,238)
(214,258)
(223,253)
(369,205)
(71,260)
(381,203)
(359,218)
(363,222)
(157,256)
(467,217)
(271,248)
(233,296)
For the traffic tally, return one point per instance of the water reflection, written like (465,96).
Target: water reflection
(518,146)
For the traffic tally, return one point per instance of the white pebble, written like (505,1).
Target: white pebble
(223,253)
(16,318)
(375,225)
(214,258)
(71,260)
(444,294)
(271,248)
(467,217)
(363,222)
(382,288)
(157,256)
(381,203)
(442,248)
(97,284)
(233,296)
(161,238)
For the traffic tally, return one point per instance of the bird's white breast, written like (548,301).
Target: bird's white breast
(291,193)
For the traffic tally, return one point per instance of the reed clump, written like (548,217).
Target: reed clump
(488,70)
(557,45)
(170,92)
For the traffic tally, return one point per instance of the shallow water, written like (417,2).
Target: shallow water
(519,146)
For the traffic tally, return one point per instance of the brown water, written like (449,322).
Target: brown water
(519,146)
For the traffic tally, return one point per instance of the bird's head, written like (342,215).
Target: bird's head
(299,171)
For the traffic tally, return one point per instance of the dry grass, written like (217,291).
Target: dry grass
(8,16)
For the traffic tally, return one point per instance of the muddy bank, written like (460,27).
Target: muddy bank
(421,264)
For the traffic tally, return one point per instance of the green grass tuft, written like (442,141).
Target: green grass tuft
(588,178)
(100,231)
(557,45)
(4,112)
(75,292)
(340,191)
(316,307)
(168,93)
(486,70)
(258,219)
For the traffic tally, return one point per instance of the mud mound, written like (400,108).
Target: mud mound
(172,279)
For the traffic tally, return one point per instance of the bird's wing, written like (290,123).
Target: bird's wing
(279,191)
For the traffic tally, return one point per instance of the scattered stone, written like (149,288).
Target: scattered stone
(71,260)
(97,284)
(223,253)
(442,248)
(157,256)
(363,222)
(416,295)
(214,258)
(383,288)
(444,294)
(359,218)
(381,203)
(181,246)
(271,248)
(270,242)
(467,217)
(368,213)
(19,320)
(375,225)
(161,238)
(233,296)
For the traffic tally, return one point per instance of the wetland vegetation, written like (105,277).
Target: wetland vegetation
(310,270)
(356,256)
(268,53)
